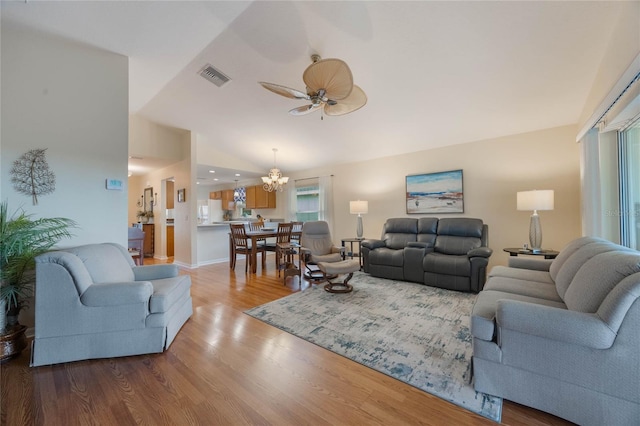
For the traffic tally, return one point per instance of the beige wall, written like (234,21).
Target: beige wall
(50,100)
(624,46)
(493,171)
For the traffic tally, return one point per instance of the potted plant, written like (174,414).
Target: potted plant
(149,215)
(21,240)
(142,216)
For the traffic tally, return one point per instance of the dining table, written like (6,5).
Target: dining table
(255,236)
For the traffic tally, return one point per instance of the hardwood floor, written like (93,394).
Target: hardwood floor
(226,368)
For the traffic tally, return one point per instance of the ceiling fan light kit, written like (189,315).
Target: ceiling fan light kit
(330,88)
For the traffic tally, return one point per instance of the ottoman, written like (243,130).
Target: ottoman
(348,267)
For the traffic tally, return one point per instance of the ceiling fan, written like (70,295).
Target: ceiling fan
(329,88)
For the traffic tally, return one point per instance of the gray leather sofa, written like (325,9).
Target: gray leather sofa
(563,335)
(450,253)
(93,302)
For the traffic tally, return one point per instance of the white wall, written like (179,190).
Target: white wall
(73,101)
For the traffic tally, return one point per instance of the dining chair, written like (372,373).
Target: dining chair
(258,226)
(241,245)
(296,231)
(136,245)
(283,236)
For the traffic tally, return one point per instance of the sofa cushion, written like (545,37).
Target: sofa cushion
(427,229)
(574,262)
(523,287)
(168,291)
(447,264)
(485,307)
(597,277)
(104,262)
(386,256)
(521,274)
(567,251)
(460,227)
(397,232)
(454,245)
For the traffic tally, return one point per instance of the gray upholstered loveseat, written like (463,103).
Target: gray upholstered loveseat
(450,253)
(93,302)
(563,335)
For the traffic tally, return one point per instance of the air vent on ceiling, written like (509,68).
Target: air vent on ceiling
(215,76)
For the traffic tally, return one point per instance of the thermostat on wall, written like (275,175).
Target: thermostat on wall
(114,184)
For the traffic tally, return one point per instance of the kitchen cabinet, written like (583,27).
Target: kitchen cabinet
(227,197)
(250,193)
(170,195)
(258,198)
(149,237)
(216,195)
(170,241)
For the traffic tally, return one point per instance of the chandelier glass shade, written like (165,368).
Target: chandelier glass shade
(274,181)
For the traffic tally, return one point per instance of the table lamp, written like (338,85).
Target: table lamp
(535,200)
(359,208)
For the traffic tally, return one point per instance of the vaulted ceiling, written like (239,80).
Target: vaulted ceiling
(435,73)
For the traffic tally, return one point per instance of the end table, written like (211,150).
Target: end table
(352,253)
(548,254)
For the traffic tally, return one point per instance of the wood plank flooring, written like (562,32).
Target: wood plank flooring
(226,368)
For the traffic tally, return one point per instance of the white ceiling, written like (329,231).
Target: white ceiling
(435,73)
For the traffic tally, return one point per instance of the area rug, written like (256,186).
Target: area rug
(411,332)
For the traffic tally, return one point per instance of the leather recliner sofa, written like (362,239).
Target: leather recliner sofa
(449,253)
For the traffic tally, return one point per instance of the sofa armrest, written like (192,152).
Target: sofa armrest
(480,252)
(155,272)
(115,294)
(373,244)
(534,264)
(335,249)
(548,322)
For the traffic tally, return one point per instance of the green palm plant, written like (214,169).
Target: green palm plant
(21,240)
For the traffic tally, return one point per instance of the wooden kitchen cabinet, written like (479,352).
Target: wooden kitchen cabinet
(227,197)
(216,195)
(170,240)
(170,195)
(149,239)
(250,193)
(258,198)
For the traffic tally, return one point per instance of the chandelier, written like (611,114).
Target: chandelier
(274,181)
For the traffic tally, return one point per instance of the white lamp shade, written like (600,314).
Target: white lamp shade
(535,200)
(358,207)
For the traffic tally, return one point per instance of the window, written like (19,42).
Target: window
(629,175)
(308,203)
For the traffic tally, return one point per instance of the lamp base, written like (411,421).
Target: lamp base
(535,232)
(359,230)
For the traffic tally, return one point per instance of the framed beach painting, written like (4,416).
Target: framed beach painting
(435,193)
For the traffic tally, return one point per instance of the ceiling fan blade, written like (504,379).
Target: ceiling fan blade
(356,100)
(305,109)
(332,75)
(284,91)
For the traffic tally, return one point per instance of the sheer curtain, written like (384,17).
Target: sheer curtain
(590,179)
(325,201)
(291,200)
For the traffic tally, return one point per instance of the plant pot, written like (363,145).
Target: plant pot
(3,315)
(12,342)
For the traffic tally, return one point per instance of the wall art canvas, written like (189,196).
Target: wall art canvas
(435,193)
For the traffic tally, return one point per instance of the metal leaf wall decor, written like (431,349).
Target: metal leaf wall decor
(31,175)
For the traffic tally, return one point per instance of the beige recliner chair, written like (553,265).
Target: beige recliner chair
(92,301)
(323,260)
